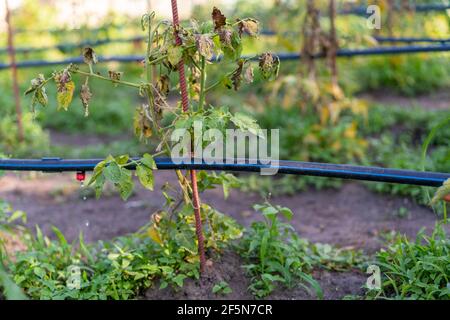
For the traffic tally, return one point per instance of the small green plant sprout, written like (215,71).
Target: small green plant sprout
(170,48)
(222,288)
(271,249)
(415,269)
(401,212)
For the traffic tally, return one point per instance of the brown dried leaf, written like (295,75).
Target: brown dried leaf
(225,35)
(205,45)
(269,65)
(161,88)
(115,75)
(85,96)
(248,26)
(236,77)
(142,124)
(248,74)
(218,18)
(89,56)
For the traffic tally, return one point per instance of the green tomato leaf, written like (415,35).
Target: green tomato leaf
(148,161)
(145,175)
(113,172)
(125,184)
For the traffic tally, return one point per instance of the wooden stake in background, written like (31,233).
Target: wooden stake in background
(12,58)
(332,51)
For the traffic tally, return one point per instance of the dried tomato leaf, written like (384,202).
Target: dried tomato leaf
(218,18)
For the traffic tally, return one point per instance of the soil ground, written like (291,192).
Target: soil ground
(438,100)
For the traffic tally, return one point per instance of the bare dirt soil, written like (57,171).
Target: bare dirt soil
(438,100)
(352,217)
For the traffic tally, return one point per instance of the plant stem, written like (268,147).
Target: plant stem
(125,83)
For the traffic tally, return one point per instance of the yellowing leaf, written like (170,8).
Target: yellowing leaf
(174,55)
(65,95)
(324,115)
(154,235)
(351,130)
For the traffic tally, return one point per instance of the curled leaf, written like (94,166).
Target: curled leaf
(89,56)
(248,26)
(115,75)
(232,47)
(142,124)
(442,192)
(161,89)
(65,87)
(35,83)
(225,35)
(174,55)
(218,18)
(40,96)
(269,65)
(248,74)
(146,20)
(85,96)
(236,76)
(64,95)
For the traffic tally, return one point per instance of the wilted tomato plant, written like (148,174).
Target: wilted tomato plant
(170,48)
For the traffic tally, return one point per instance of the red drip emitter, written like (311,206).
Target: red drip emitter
(81,176)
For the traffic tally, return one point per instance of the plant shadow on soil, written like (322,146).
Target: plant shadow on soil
(350,217)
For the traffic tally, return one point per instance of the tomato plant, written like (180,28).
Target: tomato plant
(170,48)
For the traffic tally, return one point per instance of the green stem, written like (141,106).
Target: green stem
(149,52)
(125,83)
(201,100)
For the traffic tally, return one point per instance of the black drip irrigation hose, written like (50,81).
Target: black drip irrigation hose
(343,171)
(380,39)
(89,43)
(71,46)
(411,40)
(282,56)
(362,10)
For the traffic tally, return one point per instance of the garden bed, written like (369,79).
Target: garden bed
(350,217)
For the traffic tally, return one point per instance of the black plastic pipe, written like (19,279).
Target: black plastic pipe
(282,56)
(71,46)
(380,39)
(362,10)
(343,171)
(411,39)
(94,43)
